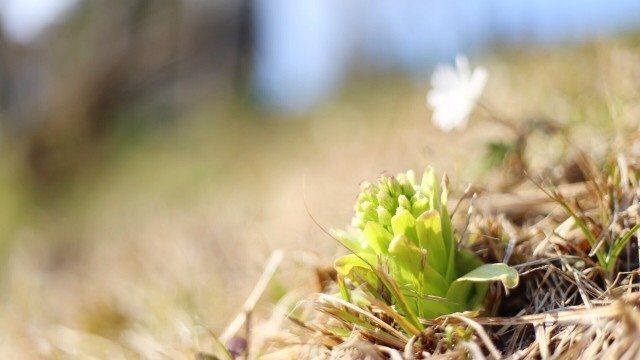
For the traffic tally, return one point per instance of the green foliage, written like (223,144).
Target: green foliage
(403,245)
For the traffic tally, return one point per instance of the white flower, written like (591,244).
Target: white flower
(455,92)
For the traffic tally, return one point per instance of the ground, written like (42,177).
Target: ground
(164,241)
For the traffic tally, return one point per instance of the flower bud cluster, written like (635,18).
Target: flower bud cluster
(380,201)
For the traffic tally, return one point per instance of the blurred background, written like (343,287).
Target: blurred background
(154,153)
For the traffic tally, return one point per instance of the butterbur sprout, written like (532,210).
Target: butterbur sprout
(409,236)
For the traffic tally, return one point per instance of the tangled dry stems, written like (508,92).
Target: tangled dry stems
(567,306)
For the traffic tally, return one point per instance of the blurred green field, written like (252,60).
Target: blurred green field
(166,234)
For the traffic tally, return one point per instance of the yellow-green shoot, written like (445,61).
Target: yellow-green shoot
(403,244)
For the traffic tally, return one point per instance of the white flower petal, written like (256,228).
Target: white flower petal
(455,92)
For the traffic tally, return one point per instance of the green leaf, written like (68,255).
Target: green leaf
(430,187)
(469,294)
(447,228)
(403,223)
(466,261)
(357,266)
(429,230)
(447,236)
(469,290)
(466,295)
(400,301)
(412,267)
(409,268)
(405,265)
(433,307)
(378,238)
(477,295)
(493,272)
(419,204)
(344,291)
(619,246)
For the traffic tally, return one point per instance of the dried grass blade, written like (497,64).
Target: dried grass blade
(373,319)
(272,265)
(401,302)
(579,316)
(543,343)
(407,326)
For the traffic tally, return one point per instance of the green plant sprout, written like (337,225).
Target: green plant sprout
(403,245)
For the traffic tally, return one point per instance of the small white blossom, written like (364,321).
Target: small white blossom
(455,92)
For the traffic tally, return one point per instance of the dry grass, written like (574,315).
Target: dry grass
(570,232)
(152,257)
(568,305)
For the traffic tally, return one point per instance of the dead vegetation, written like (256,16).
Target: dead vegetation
(575,248)
(130,273)
(568,223)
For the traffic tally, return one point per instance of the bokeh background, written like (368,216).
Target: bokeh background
(154,153)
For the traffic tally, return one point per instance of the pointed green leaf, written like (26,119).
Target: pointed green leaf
(378,238)
(411,271)
(447,228)
(429,230)
(409,258)
(433,283)
(344,291)
(405,259)
(447,235)
(619,245)
(356,267)
(403,223)
(430,188)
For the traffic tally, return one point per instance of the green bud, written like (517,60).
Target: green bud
(384,216)
(394,187)
(367,192)
(404,202)
(385,200)
(368,212)
(419,203)
(367,206)
(407,188)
